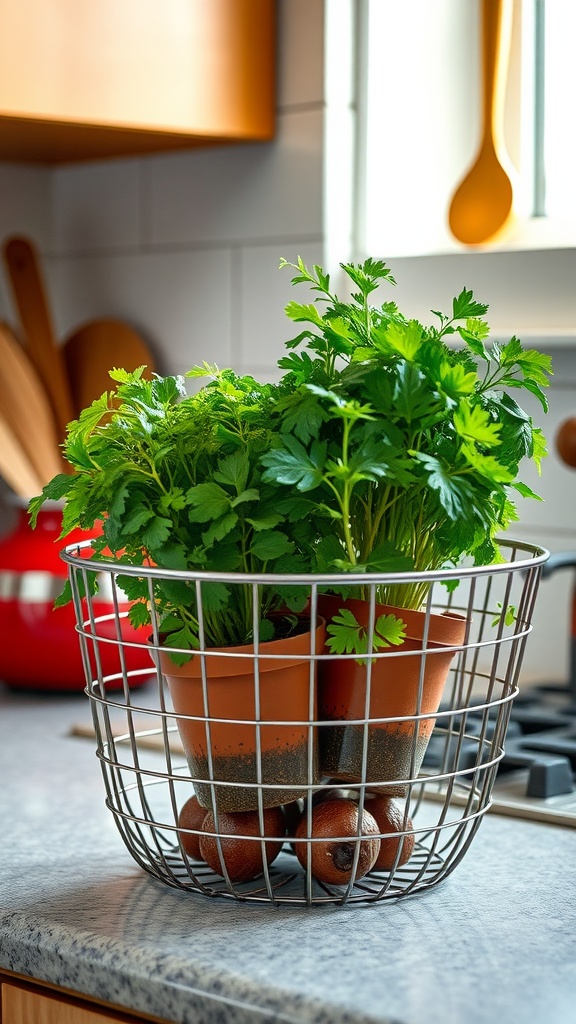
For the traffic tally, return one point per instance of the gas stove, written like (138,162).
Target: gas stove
(537,775)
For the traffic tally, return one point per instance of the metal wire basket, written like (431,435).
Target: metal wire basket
(433,759)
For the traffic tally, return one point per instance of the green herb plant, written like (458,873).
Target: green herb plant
(177,483)
(409,448)
(382,448)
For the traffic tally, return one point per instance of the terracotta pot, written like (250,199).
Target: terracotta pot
(395,749)
(284,685)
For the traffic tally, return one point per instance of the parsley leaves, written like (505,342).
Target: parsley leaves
(382,448)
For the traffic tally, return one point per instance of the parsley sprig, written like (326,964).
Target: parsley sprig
(177,483)
(408,446)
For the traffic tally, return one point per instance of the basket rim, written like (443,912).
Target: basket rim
(538,555)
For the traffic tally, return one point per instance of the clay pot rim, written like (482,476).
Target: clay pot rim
(230,661)
(446,629)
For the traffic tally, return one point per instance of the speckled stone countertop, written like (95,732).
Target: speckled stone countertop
(495,942)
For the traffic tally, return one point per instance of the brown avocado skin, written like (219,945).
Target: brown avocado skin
(389,816)
(242,857)
(191,815)
(336,822)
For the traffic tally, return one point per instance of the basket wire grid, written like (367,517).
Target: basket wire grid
(442,793)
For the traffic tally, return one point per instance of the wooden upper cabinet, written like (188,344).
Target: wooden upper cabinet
(81,79)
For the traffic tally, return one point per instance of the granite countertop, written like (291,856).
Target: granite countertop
(495,942)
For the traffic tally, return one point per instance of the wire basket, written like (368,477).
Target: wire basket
(266,777)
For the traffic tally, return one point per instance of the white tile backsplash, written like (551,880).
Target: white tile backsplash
(96,206)
(179,301)
(25,202)
(548,649)
(24,210)
(263,325)
(523,289)
(249,193)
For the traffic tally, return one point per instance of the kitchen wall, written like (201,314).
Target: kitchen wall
(186,247)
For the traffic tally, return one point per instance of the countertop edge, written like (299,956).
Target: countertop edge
(161,984)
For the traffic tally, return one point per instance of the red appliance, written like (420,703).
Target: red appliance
(39,644)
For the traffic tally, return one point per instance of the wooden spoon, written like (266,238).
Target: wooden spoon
(26,408)
(23,266)
(97,347)
(482,203)
(15,466)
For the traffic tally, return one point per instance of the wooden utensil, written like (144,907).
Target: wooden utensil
(23,266)
(145,737)
(26,408)
(15,466)
(482,203)
(94,349)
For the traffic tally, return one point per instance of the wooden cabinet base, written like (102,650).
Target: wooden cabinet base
(26,1002)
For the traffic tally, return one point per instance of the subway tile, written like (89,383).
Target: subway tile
(523,289)
(548,647)
(25,202)
(240,194)
(261,292)
(96,206)
(300,52)
(24,210)
(180,302)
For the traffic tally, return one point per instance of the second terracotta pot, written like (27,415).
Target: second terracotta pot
(396,748)
(226,740)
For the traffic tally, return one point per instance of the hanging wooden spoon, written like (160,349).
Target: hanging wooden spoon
(95,348)
(23,266)
(26,408)
(15,466)
(482,203)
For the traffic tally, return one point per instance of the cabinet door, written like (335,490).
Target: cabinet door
(22,1006)
(93,78)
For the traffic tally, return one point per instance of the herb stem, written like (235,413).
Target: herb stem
(347,494)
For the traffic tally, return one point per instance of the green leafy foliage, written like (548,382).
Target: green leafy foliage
(506,616)
(387,445)
(410,445)
(176,481)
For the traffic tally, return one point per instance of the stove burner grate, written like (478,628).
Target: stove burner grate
(536,776)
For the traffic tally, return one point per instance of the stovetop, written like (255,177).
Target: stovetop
(537,775)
